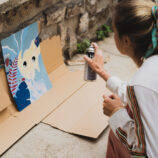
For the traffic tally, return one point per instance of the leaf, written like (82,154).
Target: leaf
(82,46)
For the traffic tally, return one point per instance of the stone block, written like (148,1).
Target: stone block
(1,25)
(9,5)
(96,23)
(63,33)
(84,23)
(73,42)
(25,14)
(68,34)
(75,8)
(48,31)
(55,15)
(92,21)
(47,3)
(72,19)
(43,20)
(102,4)
(68,1)
(71,34)
(91,6)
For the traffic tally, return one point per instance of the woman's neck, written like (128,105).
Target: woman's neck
(137,61)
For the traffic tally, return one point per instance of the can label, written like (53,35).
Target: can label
(89,74)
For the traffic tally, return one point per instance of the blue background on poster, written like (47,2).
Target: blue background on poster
(26,74)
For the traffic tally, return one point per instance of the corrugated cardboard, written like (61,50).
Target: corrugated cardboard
(72,105)
(82,113)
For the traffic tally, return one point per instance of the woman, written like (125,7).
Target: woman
(133,108)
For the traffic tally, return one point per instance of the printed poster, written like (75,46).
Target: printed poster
(26,74)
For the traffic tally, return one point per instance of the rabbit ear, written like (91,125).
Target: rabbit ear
(34,49)
(28,34)
(20,58)
(32,46)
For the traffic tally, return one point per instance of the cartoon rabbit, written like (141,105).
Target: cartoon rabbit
(28,62)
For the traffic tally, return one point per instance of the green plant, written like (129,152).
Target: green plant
(107,28)
(100,34)
(83,45)
(103,32)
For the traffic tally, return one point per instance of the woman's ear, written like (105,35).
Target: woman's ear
(127,41)
(127,46)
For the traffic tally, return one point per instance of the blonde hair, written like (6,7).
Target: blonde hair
(134,18)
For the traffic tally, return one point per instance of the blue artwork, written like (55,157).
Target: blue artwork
(26,74)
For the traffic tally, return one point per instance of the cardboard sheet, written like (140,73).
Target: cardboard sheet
(72,105)
(14,124)
(19,123)
(82,114)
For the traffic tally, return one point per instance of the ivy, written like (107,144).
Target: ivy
(83,45)
(103,32)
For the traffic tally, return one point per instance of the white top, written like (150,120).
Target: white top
(144,106)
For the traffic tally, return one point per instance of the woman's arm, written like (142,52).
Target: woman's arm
(113,83)
(97,63)
(118,87)
(128,129)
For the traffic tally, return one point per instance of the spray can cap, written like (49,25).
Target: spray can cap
(90,49)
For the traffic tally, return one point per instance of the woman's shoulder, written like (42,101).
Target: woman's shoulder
(147,74)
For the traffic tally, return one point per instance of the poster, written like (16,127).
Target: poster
(26,74)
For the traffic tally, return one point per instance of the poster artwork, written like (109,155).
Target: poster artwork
(26,74)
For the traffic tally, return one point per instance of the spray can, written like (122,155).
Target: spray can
(89,74)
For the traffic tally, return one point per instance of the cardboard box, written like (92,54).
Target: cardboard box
(72,105)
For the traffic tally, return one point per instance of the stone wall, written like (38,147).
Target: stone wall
(73,20)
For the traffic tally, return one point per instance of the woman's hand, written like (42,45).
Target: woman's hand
(97,63)
(111,104)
